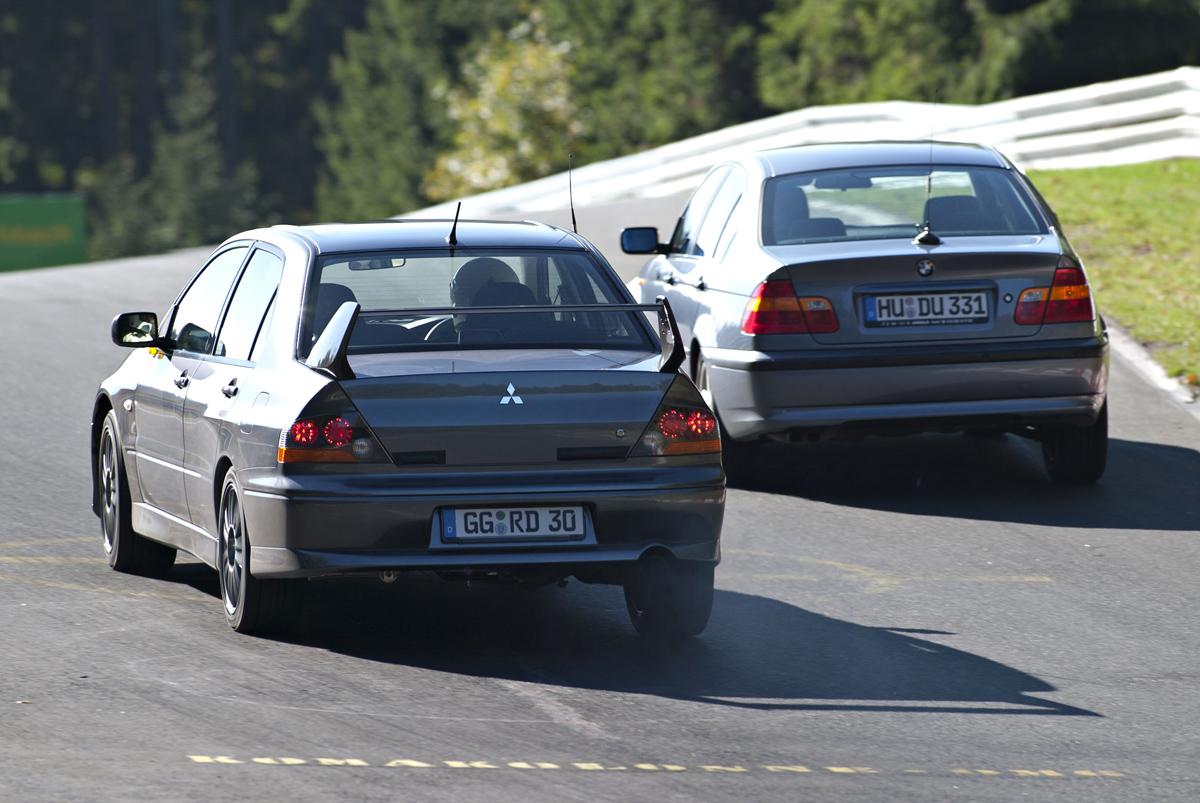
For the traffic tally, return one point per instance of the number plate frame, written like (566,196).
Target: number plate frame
(456,525)
(931,301)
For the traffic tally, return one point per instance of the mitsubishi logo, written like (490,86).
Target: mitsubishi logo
(512,396)
(925,267)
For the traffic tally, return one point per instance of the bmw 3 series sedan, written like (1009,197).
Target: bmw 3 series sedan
(475,399)
(887,287)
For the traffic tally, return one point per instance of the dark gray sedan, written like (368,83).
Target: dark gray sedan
(886,287)
(486,403)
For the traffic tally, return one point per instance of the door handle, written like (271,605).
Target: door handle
(182,380)
(231,389)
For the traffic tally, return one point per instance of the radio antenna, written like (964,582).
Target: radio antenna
(926,235)
(452,238)
(571,192)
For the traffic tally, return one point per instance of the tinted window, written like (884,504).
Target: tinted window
(876,203)
(718,214)
(408,300)
(198,311)
(253,295)
(685,229)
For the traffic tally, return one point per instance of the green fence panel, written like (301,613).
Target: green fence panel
(41,230)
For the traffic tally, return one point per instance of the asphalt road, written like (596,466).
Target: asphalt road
(900,619)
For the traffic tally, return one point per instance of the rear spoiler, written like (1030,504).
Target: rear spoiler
(328,354)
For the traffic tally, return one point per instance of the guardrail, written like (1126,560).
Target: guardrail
(1140,119)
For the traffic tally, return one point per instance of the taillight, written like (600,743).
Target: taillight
(1067,300)
(1070,298)
(342,438)
(775,309)
(683,424)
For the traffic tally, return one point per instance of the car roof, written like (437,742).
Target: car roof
(387,235)
(834,155)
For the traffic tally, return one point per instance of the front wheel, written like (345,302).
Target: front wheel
(668,598)
(251,605)
(1077,455)
(126,550)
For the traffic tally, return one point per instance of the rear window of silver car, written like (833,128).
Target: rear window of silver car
(407,297)
(879,203)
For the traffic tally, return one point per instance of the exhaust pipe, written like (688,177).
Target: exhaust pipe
(389,575)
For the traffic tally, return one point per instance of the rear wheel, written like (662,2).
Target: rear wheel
(126,550)
(251,605)
(1077,455)
(668,598)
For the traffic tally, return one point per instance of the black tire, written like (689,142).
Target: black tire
(668,598)
(1077,455)
(126,550)
(251,605)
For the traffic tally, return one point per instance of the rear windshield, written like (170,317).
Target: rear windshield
(879,203)
(408,301)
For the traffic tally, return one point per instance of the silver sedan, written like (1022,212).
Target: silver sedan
(479,400)
(884,287)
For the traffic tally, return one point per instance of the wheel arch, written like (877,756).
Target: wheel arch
(223,466)
(100,410)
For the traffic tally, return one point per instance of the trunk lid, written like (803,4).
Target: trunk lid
(858,277)
(507,408)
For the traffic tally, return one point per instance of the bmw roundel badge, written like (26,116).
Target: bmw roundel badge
(925,267)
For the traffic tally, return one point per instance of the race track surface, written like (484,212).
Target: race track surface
(897,619)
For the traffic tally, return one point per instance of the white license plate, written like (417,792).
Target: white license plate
(463,524)
(925,309)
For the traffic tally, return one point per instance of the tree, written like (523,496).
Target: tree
(387,123)
(514,114)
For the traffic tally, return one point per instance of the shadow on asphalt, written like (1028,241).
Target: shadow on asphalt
(987,478)
(757,653)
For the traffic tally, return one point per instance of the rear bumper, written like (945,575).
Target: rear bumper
(918,387)
(313,526)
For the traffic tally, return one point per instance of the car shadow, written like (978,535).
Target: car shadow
(998,478)
(758,653)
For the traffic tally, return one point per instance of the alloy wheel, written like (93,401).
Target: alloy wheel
(109,489)
(233,550)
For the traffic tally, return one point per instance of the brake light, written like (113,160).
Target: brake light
(341,438)
(775,309)
(1067,300)
(1070,297)
(682,425)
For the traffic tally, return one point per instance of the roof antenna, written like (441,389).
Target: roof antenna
(926,235)
(571,193)
(452,239)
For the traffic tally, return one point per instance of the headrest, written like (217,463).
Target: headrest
(951,213)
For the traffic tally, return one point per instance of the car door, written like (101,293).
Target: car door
(226,384)
(674,276)
(161,391)
(707,277)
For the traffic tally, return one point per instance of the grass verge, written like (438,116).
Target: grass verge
(1137,228)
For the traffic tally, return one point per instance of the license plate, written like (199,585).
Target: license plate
(462,524)
(926,309)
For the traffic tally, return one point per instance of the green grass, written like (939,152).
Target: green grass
(1137,228)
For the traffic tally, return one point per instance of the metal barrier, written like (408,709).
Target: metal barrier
(1132,120)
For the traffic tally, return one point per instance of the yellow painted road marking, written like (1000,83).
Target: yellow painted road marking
(877,581)
(67,586)
(599,766)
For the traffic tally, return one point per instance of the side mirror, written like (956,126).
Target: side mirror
(641,240)
(133,330)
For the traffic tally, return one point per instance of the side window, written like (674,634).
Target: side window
(198,311)
(249,305)
(685,230)
(262,330)
(718,213)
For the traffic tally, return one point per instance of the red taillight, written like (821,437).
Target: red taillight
(701,423)
(1070,298)
(774,309)
(330,439)
(338,432)
(1067,300)
(304,433)
(673,425)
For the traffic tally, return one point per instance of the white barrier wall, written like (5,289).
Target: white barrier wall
(1139,119)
